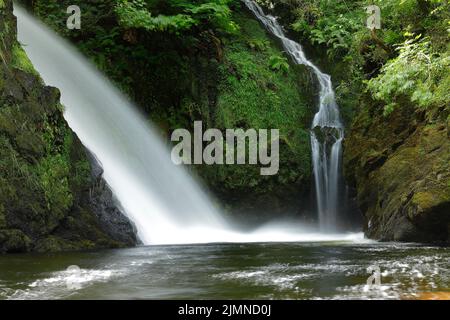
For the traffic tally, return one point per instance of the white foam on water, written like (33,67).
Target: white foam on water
(63,284)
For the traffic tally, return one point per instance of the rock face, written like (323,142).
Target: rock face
(45,175)
(106,207)
(400,169)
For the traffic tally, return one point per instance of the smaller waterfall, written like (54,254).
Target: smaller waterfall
(327,131)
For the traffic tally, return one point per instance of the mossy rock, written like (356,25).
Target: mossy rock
(14,241)
(21,61)
(400,167)
(45,175)
(251,95)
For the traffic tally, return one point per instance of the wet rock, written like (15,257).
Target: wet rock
(14,241)
(107,208)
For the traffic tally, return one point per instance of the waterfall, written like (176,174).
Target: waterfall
(327,131)
(159,197)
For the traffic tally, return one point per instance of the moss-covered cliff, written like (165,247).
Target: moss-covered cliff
(253,94)
(400,167)
(45,175)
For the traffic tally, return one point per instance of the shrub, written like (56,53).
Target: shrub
(417,73)
(138,14)
(279,63)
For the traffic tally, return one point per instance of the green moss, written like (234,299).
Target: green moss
(254,95)
(2,217)
(20,60)
(424,200)
(30,141)
(12,241)
(7,120)
(44,171)
(53,172)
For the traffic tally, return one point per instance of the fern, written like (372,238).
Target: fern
(279,63)
(416,73)
(137,14)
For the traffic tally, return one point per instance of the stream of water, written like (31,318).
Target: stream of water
(327,131)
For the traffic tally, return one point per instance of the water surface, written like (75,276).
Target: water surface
(307,270)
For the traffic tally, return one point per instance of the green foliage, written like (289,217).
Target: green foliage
(133,14)
(218,12)
(21,61)
(340,25)
(417,73)
(258,44)
(279,63)
(252,95)
(124,40)
(332,26)
(137,14)
(53,172)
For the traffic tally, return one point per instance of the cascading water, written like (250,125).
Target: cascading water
(165,203)
(160,198)
(327,131)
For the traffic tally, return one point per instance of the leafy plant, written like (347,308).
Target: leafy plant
(258,44)
(279,63)
(137,14)
(332,26)
(417,73)
(133,14)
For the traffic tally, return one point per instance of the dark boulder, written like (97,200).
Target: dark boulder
(107,208)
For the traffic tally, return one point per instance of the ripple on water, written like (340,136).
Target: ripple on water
(61,284)
(405,278)
(278,276)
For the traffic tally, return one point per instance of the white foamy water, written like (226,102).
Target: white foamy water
(63,284)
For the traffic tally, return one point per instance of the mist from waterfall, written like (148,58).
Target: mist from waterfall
(327,131)
(165,203)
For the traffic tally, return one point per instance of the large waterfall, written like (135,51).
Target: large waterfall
(162,199)
(327,131)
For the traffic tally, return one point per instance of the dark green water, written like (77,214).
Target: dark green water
(317,270)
